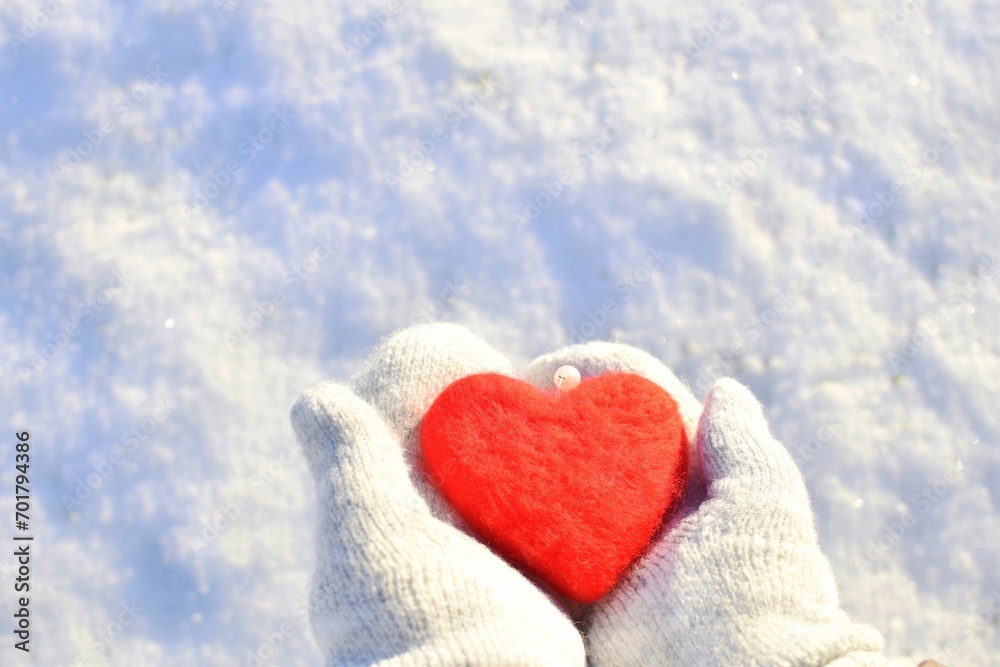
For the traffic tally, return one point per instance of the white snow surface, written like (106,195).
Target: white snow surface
(207,208)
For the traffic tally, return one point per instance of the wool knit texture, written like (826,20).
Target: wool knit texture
(395,583)
(737,578)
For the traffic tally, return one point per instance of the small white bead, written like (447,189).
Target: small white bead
(567,378)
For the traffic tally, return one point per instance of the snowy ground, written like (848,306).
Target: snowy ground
(206,209)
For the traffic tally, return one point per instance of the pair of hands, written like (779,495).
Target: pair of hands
(736,577)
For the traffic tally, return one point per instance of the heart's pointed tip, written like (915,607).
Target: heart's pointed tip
(590,596)
(588,590)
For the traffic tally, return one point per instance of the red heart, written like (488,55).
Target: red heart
(570,487)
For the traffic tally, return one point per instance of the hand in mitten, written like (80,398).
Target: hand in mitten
(736,578)
(396,583)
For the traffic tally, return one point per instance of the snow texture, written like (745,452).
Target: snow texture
(206,208)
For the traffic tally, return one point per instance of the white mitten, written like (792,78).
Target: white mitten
(736,578)
(739,580)
(396,583)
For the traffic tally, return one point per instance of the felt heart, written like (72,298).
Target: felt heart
(569,486)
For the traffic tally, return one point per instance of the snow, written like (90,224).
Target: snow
(205,209)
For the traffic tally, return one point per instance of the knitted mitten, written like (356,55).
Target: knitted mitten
(735,579)
(396,583)
(740,579)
